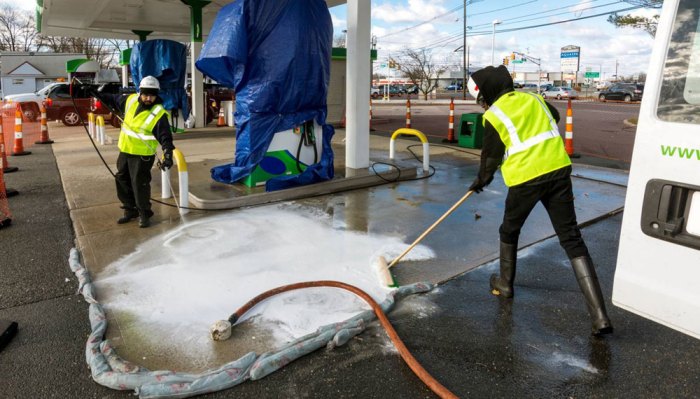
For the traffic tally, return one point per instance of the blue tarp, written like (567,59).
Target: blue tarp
(167,61)
(276,54)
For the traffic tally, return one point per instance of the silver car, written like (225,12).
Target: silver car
(560,92)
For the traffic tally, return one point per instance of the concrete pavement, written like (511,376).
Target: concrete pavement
(474,343)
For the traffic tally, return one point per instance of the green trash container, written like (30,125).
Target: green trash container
(470,131)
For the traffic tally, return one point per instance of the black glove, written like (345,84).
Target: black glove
(478,185)
(167,162)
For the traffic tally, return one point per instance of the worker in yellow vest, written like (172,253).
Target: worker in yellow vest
(145,125)
(521,136)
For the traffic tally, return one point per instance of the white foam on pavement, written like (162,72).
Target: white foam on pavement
(177,284)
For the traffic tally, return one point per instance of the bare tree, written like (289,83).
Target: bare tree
(103,51)
(17,29)
(340,40)
(419,68)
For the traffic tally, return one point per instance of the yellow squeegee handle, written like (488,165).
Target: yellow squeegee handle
(425,233)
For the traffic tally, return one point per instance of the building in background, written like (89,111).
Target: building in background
(29,72)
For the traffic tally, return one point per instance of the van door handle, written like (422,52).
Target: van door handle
(665,211)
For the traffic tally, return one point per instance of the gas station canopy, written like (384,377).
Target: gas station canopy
(118,19)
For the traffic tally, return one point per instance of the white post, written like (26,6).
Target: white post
(197,85)
(91,125)
(184,193)
(165,188)
(426,157)
(357,84)
(103,134)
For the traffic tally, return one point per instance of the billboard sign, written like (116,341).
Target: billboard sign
(570,56)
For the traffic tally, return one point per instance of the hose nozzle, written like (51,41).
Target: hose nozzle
(221,330)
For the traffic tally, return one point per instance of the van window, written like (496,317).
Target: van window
(679,100)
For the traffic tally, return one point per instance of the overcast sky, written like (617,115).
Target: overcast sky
(436,25)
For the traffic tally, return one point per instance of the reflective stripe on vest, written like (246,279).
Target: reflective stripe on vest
(136,135)
(529,151)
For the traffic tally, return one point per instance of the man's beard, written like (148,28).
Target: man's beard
(146,104)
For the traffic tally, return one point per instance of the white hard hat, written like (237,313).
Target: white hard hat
(473,88)
(149,82)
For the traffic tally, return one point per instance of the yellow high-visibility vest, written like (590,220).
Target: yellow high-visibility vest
(136,136)
(531,137)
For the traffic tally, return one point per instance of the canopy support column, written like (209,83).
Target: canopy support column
(197,88)
(358,84)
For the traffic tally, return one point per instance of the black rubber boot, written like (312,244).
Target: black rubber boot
(503,285)
(145,219)
(588,282)
(128,215)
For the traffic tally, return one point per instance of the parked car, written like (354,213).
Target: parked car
(413,89)
(70,110)
(394,90)
(545,86)
(560,92)
(454,87)
(374,92)
(31,102)
(623,91)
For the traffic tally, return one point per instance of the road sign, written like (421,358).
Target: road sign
(592,75)
(518,61)
(570,56)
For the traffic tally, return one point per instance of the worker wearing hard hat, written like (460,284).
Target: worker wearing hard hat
(521,136)
(145,125)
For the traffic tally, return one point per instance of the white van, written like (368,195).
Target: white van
(658,264)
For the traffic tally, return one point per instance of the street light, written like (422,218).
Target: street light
(493,39)
(464,54)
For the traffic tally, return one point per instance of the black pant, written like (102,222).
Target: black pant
(134,181)
(558,199)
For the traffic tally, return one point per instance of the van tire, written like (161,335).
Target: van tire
(69,117)
(628,98)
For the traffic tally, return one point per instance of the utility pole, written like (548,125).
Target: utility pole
(464,54)
(617,78)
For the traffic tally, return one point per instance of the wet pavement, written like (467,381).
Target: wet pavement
(477,345)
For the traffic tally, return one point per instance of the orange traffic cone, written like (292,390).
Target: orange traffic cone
(222,118)
(18,148)
(6,168)
(408,114)
(44,138)
(569,137)
(451,127)
(5,215)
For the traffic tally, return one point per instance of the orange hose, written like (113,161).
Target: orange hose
(424,376)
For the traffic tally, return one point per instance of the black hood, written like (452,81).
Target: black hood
(493,82)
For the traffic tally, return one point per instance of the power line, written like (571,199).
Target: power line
(458,34)
(445,41)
